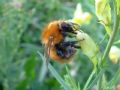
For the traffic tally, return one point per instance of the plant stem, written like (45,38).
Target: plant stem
(89,79)
(96,78)
(110,42)
(115,78)
(115,29)
(99,82)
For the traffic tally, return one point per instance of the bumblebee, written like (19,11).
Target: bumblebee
(54,40)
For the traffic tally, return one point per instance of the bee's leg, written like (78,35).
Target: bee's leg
(59,50)
(66,49)
(76,46)
(72,42)
(68,34)
(69,51)
(68,43)
(74,26)
(60,53)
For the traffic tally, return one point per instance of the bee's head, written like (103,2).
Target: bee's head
(68,27)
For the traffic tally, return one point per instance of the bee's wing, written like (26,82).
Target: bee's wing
(47,50)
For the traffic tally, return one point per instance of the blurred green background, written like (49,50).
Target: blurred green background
(21,23)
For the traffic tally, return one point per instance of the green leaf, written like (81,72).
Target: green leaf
(55,74)
(22,85)
(58,77)
(29,67)
(96,79)
(114,79)
(70,81)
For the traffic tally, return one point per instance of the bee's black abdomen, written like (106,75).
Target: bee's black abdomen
(65,49)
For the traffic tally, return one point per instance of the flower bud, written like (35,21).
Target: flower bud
(88,46)
(103,12)
(114,54)
(81,17)
(86,43)
(118,6)
(118,87)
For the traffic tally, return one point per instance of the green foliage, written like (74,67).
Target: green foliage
(70,81)
(21,68)
(12,25)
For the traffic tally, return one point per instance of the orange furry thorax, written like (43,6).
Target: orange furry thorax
(52,29)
